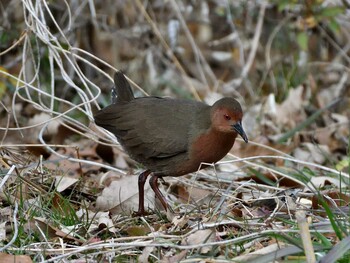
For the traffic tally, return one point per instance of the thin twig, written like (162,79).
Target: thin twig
(255,43)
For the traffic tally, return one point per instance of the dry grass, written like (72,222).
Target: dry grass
(288,65)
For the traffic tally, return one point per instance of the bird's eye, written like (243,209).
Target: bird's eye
(227,117)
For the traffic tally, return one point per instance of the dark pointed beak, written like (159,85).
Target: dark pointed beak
(239,129)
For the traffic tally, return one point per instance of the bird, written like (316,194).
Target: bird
(169,136)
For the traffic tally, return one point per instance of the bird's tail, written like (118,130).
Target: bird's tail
(121,92)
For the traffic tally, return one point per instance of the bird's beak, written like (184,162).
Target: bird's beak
(239,129)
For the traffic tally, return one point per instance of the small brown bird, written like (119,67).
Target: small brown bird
(170,137)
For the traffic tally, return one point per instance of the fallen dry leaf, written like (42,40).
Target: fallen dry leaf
(105,222)
(188,194)
(318,182)
(312,153)
(242,149)
(7,258)
(174,258)
(273,248)
(290,112)
(40,225)
(138,230)
(180,221)
(122,195)
(42,117)
(200,237)
(332,198)
(64,182)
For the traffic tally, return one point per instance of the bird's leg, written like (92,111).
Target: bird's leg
(154,184)
(142,180)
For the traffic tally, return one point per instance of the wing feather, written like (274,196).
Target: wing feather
(147,131)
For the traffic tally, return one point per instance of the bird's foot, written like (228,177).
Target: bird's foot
(139,213)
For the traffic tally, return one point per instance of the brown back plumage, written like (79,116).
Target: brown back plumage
(154,131)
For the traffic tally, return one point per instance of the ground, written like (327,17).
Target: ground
(68,190)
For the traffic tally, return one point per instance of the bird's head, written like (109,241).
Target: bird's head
(226,116)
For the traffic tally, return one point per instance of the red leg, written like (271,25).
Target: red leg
(154,184)
(142,180)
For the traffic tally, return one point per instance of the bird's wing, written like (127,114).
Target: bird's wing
(151,127)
